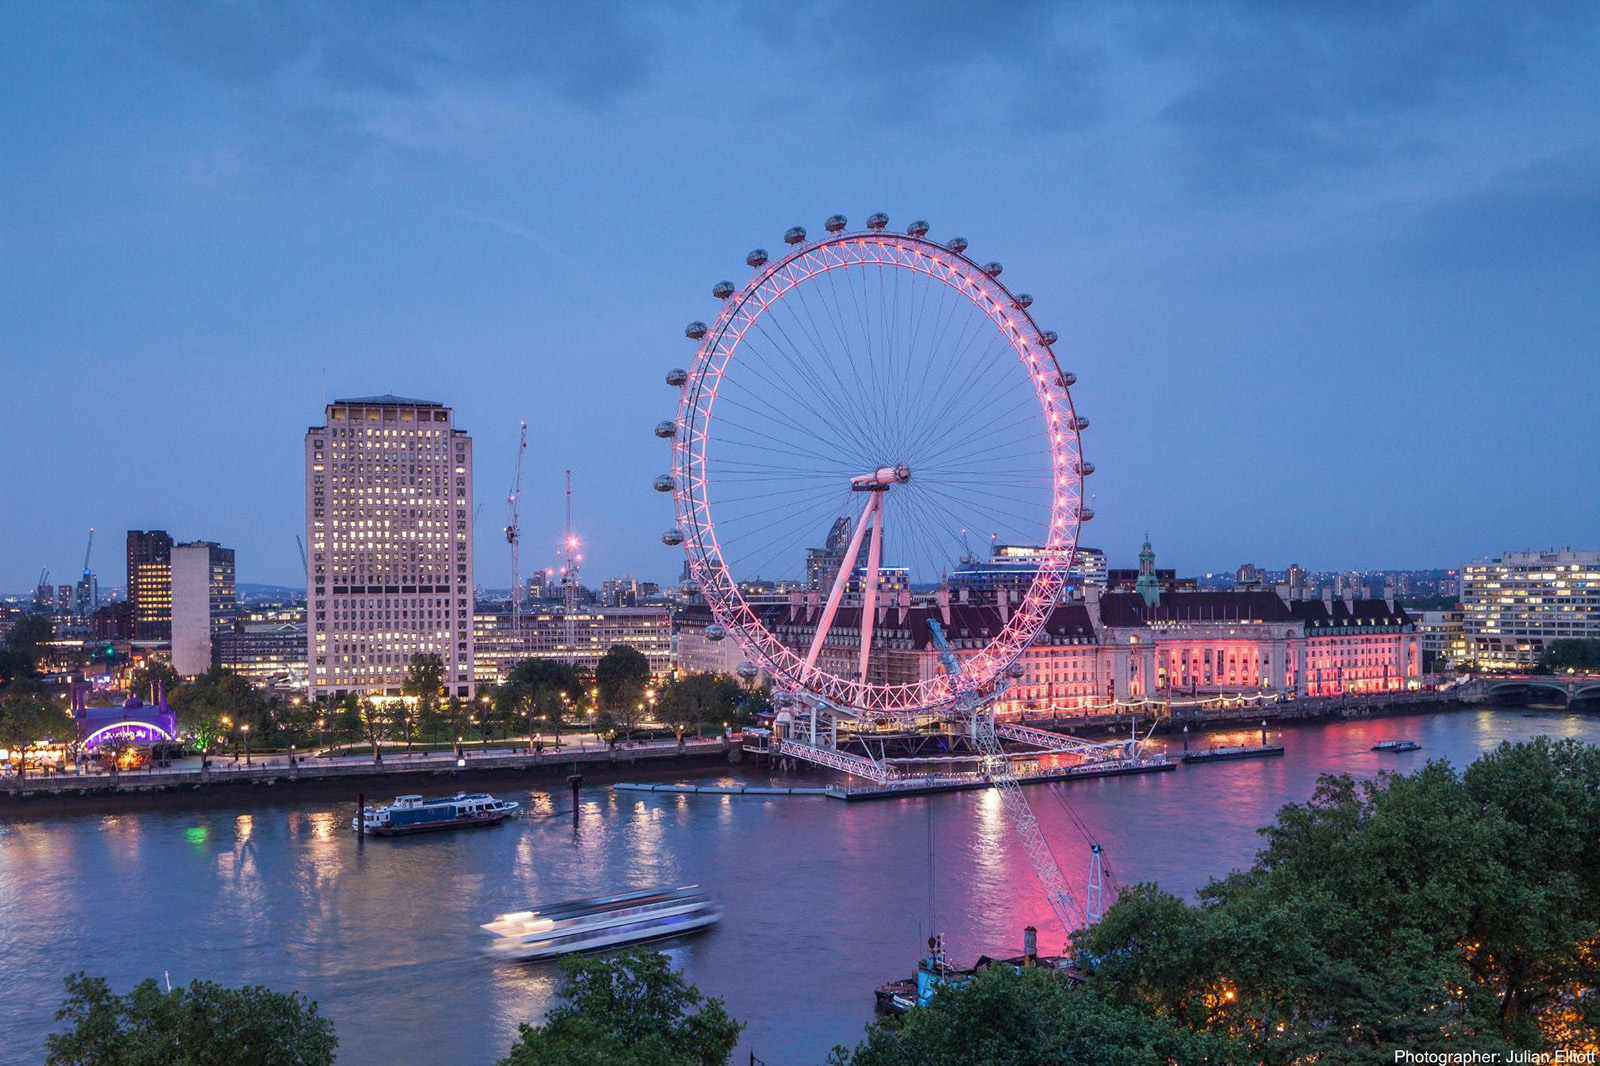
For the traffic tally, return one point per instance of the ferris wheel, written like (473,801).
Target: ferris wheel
(863,409)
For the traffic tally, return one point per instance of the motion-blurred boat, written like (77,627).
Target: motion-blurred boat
(599,923)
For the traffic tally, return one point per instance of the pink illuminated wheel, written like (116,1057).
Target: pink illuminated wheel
(866,413)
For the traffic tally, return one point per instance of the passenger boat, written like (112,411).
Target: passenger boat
(1396,745)
(413,814)
(584,925)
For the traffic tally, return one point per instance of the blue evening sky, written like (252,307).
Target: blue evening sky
(1329,273)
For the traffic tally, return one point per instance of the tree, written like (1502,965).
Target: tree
(630,1009)
(622,674)
(1580,655)
(202,1024)
(1439,911)
(538,690)
(424,682)
(455,718)
(23,720)
(23,646)
(689,700)
(151,673)
(375,721)
(349,720)
(1009,1017)
(207,733)
(220,694)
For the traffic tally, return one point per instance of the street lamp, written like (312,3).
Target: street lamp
(246,728)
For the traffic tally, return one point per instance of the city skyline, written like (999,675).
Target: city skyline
(1291,274)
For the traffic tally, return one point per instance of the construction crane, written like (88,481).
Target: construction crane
(974,709)
(569,583)
(304,565)
(88,590)
(514,536)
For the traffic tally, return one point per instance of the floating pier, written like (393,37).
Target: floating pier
(721,790)
(1255,751)
(907,786)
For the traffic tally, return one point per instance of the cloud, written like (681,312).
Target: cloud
(1279,95)
(1548,214)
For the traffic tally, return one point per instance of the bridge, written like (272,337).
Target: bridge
(1570,687)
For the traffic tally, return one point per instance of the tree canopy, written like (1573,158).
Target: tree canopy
(203,1024)
(1444,911)
(23,646)
(630,1009)
(534,689)
(1441,910)
(1571,654)
(621,675)
(1007,1017)
(692,699)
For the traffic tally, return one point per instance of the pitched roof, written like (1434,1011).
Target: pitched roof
(388,399)
(1128,609)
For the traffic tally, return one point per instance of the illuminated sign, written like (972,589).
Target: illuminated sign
(126,733)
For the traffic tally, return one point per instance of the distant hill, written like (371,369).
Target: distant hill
(249,590)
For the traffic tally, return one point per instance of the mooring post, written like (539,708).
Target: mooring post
(1185,738)
(361,815)
(1263,732)
(575,780)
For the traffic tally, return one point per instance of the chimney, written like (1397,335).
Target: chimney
(1327,598)
(942,599)
(1388,593)
(1285,594)
(1091,603)
(1030,946)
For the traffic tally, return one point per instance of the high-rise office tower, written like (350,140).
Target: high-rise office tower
(150,583)
(389,538)
(202,604)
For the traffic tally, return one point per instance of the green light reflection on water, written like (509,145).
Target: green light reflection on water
(196,834)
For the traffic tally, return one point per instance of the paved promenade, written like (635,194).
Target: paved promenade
(581,750)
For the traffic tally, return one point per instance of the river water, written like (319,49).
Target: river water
(822,900)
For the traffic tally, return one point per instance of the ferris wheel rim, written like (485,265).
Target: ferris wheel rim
(711,573)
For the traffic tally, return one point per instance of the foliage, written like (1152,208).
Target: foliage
(376,721)
(533,692)
(630,1009)
(201,1025)
(425,682)
(690,700)
(25,718)
(219,694)
(1571,654)
(1438,911)
(349,723)
(621,675)
(23,646)
(1008,1017)
(153,672)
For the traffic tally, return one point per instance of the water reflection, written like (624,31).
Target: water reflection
(822,900)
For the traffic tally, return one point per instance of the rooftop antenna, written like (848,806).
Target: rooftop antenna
(569,582)
(514,536)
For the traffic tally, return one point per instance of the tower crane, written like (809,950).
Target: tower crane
(977,710)
(87,549)
(514,536)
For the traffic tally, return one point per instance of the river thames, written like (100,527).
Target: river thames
(822,900)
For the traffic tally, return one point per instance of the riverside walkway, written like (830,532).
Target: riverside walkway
(312,766)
